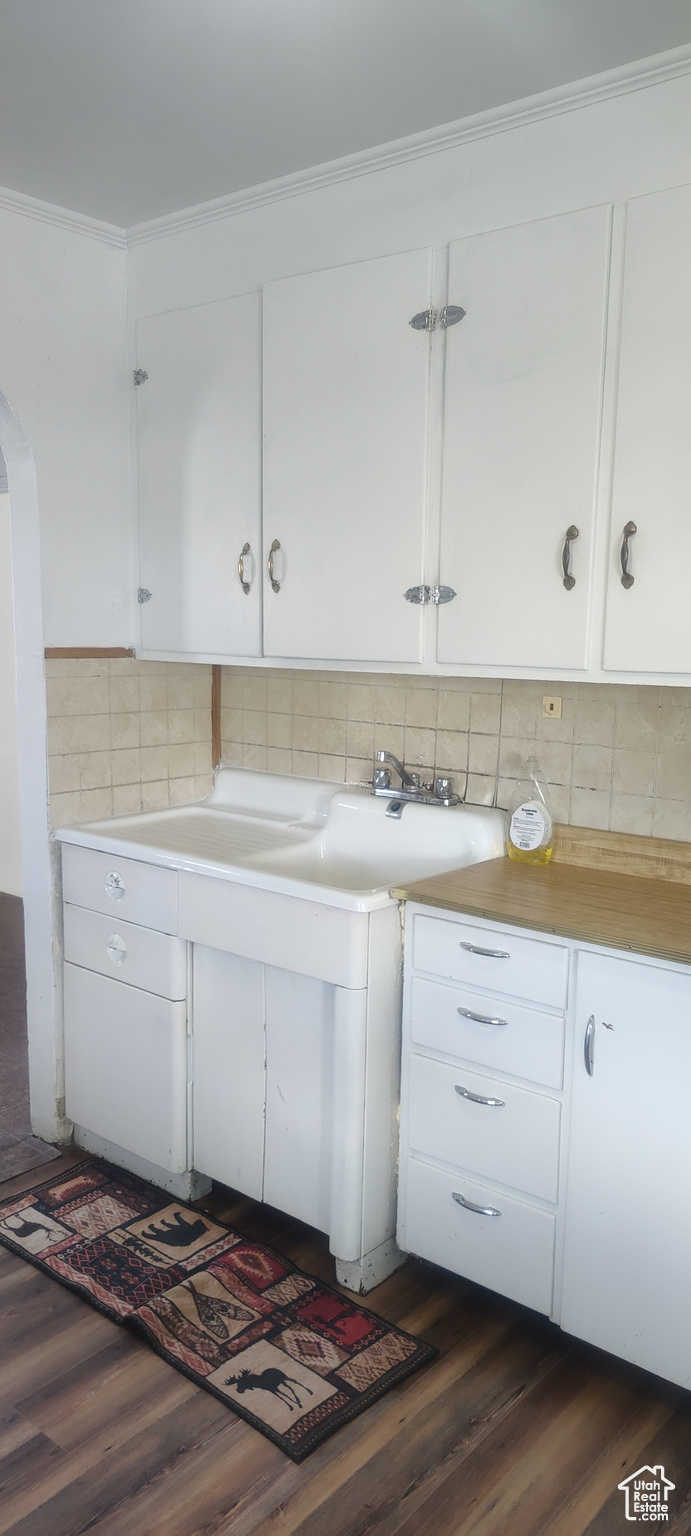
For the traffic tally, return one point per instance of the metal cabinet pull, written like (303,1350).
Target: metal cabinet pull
(477,1098)
(627,579)
(589,1045)
(276,585)
(479,1018)
(489,954)
(116,949)
(241,569)
(569,580)
(115,885)
(480,1210)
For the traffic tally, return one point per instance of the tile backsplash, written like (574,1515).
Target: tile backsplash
(619,757)
(126,735)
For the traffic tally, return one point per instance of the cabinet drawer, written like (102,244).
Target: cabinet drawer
(526,1043)
(485,957)
(136,893)
(143,957)
(512,1253)
(126,1066)
(513,1142)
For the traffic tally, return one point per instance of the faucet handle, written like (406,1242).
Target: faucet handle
(381,778)
(443,788)
(415,780)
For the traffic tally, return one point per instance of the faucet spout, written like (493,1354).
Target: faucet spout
(407,780)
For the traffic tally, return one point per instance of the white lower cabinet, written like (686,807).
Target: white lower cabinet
(627,1254)
(499,1178)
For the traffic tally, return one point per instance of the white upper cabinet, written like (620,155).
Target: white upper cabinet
(521,430)
(346,383)
(648,627)
(199,421)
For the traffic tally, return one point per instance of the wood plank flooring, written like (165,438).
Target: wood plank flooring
(514,1429)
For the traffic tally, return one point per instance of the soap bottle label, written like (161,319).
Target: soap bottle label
(528,825)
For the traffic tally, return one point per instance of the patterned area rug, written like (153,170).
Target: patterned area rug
(290,1355)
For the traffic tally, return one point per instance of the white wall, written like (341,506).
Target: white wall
(63,372)
(10,841)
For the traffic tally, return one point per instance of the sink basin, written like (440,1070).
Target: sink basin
(290,835)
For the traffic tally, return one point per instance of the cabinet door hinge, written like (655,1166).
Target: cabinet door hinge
(143,595)
(140,375)
(437,319)
(426,594)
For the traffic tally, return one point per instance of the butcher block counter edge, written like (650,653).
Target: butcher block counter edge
(619,907)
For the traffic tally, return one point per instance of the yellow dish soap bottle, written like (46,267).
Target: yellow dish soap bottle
(529,827)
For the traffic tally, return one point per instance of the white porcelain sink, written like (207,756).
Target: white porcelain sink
(290,835)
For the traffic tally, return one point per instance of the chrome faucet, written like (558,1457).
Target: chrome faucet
(439,792)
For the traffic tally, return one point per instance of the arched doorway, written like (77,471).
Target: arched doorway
(38,871)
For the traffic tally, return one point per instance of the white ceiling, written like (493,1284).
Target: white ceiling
(129,109)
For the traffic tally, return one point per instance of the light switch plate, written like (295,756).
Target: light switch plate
(551,707)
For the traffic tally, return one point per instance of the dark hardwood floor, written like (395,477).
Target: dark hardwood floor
(516,1430)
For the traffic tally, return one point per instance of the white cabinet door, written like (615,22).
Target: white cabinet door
(521,428)
(648,627)
(299,1096)
(229,1078)
(199,430)
(345,459)
(627,1260)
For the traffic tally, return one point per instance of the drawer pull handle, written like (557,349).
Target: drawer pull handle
(480,1210)
(479,1018)
(477,1098)
(115,885)
(117,949)
(489,954)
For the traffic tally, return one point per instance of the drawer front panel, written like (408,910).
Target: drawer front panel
(126,1066)
(142,957)
(514,1142)
(512,1253)
(132,892)
(485,958)
(525,1043)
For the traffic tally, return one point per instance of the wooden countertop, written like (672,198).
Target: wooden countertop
(650,916)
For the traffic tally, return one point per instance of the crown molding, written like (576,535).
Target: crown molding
(565,98)
(62,218)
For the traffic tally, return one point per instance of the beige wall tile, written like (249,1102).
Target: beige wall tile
(154,727)
(126,766)
(514,755)
(358,770)
(331,768)
(153,692)
(672,818)
(333,700)
(592,769)
(421,707)
(254,690)
(675,722)
(360,739)
(361,701)
(253,755)
(674,774)
(332,737)
(483,754)
(62,696)
(279,693)
(634,773)
(420,748)
(453,710)
(632,813)
(306,697)
(202,724)
(181,693)
(94,695)
(181,791)
(180,725)
(154,761)
(155,795)
(637,722)
(202,758)
(64,773)
(181,761)
(127,799)
(306,764)
(92,732)
(452,750)
(94,770)
(595,715)
(64,809)
(590,808)
(279,730)
(94,804)
(123,695)
(253,727)
(306,733)
(203,785)
(279,760)
(231,688)
(485,712)
(554,758)
(480,790)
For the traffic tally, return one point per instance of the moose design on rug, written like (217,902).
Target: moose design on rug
(274,1388)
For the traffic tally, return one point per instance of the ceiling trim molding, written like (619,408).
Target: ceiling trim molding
(63,218)
(566,98)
